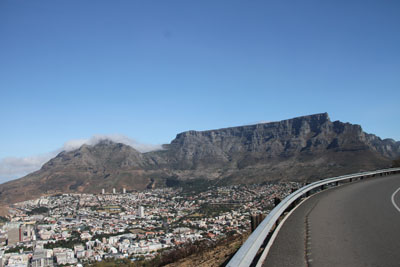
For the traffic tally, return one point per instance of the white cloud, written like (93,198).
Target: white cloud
(15,167)
(73,144)
(262,122)
(117,138)
(257,122)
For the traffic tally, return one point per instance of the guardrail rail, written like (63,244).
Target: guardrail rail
(250,250)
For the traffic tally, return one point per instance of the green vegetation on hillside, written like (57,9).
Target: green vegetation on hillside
(40,210)
(212,210)
(74,239)
(193,186)
(100,236)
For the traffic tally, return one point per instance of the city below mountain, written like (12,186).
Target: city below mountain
(301,149)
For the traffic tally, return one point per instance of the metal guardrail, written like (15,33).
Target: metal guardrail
(245,256)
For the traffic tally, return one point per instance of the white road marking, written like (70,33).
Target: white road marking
(393,202)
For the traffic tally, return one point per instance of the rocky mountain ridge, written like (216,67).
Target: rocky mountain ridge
(303,148)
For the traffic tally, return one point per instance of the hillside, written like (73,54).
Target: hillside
(303,148)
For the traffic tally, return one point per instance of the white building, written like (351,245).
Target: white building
(141,211)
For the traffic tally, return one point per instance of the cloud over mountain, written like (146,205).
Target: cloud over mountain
(117,138)
(15,167)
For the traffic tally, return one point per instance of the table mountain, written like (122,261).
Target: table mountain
(302,149)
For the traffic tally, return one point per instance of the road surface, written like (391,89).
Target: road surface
(357,224)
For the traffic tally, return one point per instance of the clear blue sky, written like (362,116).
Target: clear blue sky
(150,69)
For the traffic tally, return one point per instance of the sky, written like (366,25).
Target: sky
(143,71)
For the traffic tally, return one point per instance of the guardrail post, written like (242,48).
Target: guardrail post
(276,201)
(253,222)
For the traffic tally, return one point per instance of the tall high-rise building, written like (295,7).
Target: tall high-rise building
(124,190)
(103,191)
(141,211)
(27,232)
(114,191)
(14,233)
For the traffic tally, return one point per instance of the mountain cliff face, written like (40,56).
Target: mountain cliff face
(312,136)
(303,148)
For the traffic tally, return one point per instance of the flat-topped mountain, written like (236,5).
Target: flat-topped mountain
(303,148)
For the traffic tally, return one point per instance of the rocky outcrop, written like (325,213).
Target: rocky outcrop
(303,148)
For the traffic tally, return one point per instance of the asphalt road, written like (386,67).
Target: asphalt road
(357,224)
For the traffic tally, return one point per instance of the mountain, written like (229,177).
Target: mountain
(302,149)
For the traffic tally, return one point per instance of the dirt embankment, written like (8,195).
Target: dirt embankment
(217,256)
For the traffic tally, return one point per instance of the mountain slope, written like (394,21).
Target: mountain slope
(303,148)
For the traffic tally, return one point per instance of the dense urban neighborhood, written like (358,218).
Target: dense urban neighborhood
(80,229)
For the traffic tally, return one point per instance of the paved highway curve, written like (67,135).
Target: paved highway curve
(357,224)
